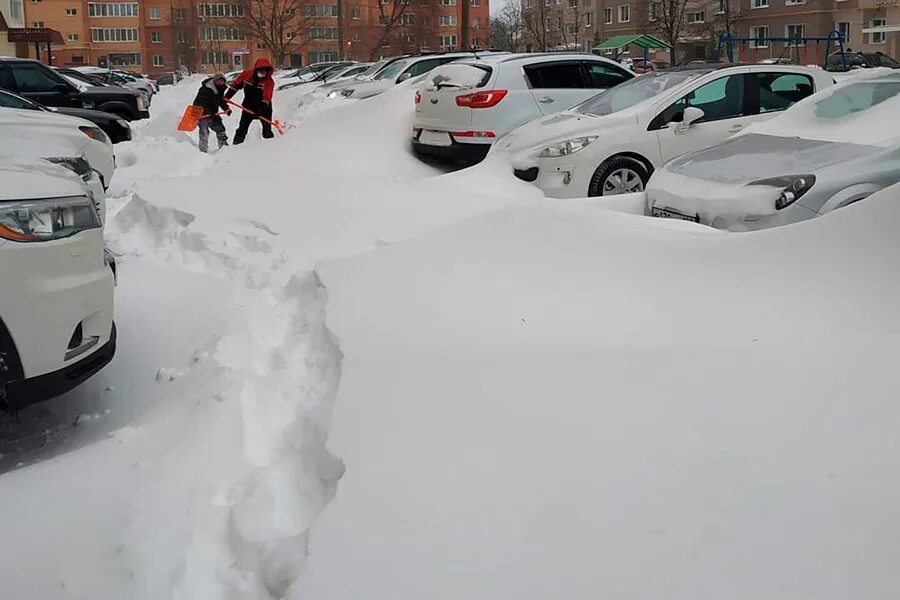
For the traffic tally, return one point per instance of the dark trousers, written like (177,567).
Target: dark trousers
(263,110)
(216,125)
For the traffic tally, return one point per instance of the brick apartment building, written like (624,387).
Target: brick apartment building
(159,36)
(868,25)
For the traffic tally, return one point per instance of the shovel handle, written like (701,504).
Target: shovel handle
(274,124)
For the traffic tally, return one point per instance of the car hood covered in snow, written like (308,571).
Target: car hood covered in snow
(559,127)
(749,158)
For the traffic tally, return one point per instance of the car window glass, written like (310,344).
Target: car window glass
(634,91)
(423,66)
(855,98)
(605,76)
(555,76)
(392,70)
(780,91)
(11,101)
(33,79)
(722,98)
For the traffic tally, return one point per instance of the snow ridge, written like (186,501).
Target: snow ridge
(280,367)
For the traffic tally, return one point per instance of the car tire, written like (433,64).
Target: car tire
(619,175)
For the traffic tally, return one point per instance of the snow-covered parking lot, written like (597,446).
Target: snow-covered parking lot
(344,374)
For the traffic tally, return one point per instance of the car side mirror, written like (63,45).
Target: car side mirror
(690,115)
(403,77)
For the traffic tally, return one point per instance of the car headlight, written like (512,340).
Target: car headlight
(45,220)
(567,147)
(792,187)
(95,133)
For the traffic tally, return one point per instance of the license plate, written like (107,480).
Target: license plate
(435,138)
(668,213)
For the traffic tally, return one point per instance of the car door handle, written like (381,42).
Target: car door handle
(545,100)
(735,128)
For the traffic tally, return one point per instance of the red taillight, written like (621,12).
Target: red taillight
(418,96)
(473,134)
(486,99)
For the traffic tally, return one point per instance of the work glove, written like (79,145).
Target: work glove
(228,111)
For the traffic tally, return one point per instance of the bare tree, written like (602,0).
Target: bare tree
(508,27)
(538,18)
(391,18)
(669,21)
(570,18)
(282,25)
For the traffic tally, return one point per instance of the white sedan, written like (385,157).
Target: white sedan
(78,136)
(56,322)
(466,105)
(612,143)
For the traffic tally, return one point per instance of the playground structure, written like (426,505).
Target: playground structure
(798,48)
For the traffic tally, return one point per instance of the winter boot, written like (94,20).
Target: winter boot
(238,139)
(222,139)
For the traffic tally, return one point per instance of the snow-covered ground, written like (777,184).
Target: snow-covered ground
(345,374)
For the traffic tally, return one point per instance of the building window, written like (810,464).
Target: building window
(16,10)
(793,32)
(181,37)
(448,2)
(71,12)
(447,20)
(114,34)
(159,60)
(354,14)
(215,58)
(113,9)
(607,16)
(720,10)
(237,60)
(215,34)
(625,13)
(261,46)
(179,14)
(220,10)
(125,59)
(653,12)
(696,17)
(476,43)
(878,37)
(78,59)
(843,28)
(588,19)
(573,3)
(759,3)
(319,57)
(758,35)
(37,24)
(448,42)
(36,1)
(356,38)
(155,14)
(408,19)
(476,2)
(72,37)
(320,10)
(322,33)
(794,2)
(156,37)
(572,29)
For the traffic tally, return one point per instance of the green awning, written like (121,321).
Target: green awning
(640,40)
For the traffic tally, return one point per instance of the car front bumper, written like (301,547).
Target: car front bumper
(557,179)
(19,393)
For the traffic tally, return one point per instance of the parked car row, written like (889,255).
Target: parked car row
(56,322)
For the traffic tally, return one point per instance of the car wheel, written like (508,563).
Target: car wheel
(619,175)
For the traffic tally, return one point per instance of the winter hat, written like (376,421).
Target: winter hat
(219,75)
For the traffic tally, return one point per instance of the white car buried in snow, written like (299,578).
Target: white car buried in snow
(54,131)
(56,321)
(612,143)
(465,106)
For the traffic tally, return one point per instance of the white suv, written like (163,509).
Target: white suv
(56,321)
(466,105)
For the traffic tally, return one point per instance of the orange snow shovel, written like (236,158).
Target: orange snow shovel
(192,116)
(276,124)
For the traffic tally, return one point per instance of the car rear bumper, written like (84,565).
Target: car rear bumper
(456,152)
(25,392)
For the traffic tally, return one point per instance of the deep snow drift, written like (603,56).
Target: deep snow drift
(343,374)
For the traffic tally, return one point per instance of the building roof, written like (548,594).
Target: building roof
(642,40)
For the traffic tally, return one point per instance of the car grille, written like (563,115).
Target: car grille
(529,175)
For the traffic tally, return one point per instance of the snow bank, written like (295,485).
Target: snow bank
(605,406)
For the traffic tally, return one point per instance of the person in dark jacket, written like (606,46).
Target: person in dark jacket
(258,86)
(211,98)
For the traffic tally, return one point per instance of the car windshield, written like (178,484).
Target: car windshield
(374,68)
(883,60)
(633,91)
(392,70)
(856,98)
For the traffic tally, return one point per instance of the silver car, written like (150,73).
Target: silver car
(827,151)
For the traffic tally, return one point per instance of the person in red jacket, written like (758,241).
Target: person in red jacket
(258,86)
